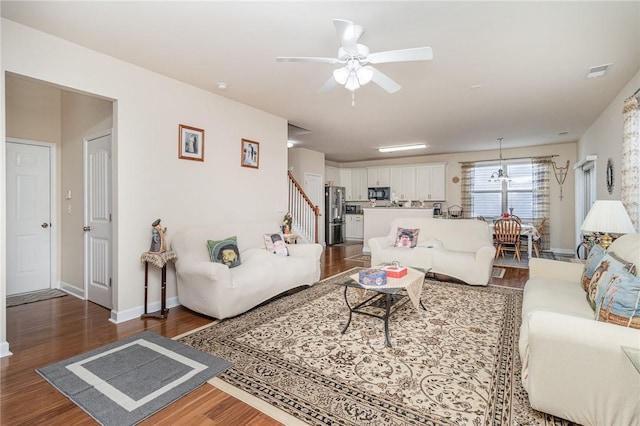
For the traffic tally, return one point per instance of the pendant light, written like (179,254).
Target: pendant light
(499,176)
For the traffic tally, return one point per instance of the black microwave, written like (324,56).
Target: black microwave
(379,193)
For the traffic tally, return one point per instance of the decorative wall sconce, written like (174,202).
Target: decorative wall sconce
(561,174)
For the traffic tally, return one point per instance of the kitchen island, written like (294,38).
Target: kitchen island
(378,219)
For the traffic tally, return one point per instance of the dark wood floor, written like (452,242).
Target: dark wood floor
(45,332)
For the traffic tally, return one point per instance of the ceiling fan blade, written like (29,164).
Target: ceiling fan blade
(330,84)
(348,33)
(382,80)
(307,59)
(403,55)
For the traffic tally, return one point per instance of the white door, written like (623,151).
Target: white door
(28,217)
(97,219)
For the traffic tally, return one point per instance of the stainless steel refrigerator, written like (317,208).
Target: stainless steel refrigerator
(334,218)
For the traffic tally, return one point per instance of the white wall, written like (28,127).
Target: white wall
(150,181)
(604,139)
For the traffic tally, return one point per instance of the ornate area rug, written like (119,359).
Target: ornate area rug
(364,258)
(455,363)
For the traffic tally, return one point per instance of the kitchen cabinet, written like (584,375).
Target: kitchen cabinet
(379,176)
(403,182)
(430,182)
(354,227)
(345,180)
(332,176)
(358,185)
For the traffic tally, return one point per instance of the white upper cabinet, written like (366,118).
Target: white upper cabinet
(332,176)
(359,185)
(403,182)
(379,176)
(430,182)
(345,180)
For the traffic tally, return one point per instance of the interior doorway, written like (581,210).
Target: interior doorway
(585,178)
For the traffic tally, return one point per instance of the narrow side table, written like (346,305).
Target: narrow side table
(158,260)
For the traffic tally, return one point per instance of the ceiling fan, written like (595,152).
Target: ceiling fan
(355,59)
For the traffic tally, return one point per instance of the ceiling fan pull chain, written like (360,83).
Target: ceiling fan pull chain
(353,99)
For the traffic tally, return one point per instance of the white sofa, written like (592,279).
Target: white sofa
(572,365)
(219,291)
(459,248)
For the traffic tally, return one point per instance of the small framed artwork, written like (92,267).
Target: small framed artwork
(249,153)
(191,143)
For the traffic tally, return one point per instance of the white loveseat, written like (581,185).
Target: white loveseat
(219,291)
(459,248)
(573,366)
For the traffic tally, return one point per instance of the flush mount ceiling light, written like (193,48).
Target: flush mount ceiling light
(499,176)
(402,148)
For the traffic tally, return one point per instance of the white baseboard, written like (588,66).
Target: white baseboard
(118,317)
(71,289)
(4,349)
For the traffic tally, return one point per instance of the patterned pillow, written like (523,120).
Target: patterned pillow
(593,260)
(406,237)
(225,251)
(618,301)
(275,244)
(609,267)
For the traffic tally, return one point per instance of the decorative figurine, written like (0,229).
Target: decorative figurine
(158,241)
(286,223)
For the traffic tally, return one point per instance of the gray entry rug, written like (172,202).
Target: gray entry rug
(455,363)
(34,296)
(127,381)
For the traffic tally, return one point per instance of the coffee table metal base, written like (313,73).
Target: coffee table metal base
(390,296)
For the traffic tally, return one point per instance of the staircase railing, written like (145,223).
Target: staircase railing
(305,213)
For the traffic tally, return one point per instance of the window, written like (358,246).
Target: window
(491,199)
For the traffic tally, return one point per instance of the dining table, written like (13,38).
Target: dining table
(526,229)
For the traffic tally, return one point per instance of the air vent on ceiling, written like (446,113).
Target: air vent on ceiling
(598,71)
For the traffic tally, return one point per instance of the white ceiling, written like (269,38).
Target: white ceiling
(531,59)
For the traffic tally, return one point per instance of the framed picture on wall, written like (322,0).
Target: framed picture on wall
(249,153)
(191,143)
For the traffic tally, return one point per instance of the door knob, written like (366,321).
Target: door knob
(45,225)
(86,228)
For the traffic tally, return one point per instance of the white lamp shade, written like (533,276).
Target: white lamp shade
(352,82)
(341,74)
(608,216)
(365,74)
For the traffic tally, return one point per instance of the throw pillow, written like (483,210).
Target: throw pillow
(225,251)
(618,301)
(275,244)
(610,266)
(406,237)
(593,260)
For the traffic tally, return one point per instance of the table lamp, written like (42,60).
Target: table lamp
(607,216)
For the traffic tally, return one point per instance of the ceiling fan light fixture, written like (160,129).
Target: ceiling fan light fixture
(365,74)
(341,75)
(402,147)
(352,82)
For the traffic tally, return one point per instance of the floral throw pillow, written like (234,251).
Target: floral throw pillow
(593,260)
(618,300)
(407,237)
(225,252)
(607,270)
(275,244)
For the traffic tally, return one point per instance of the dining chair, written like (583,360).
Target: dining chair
(536,238)
(481,218)
(507,232)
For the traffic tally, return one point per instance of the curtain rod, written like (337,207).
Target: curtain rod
(512,158)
